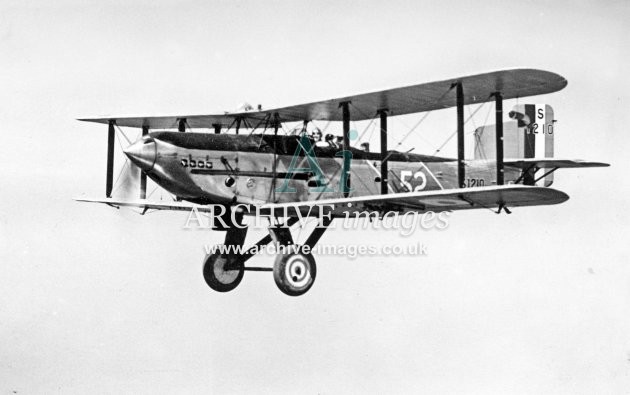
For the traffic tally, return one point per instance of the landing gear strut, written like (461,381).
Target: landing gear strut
(223,269)
(294,270)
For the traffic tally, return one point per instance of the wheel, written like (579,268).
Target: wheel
(294,273)
(223,273)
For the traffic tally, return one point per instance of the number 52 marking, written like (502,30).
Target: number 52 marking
(407,174)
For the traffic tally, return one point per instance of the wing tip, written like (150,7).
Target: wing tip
(562,196)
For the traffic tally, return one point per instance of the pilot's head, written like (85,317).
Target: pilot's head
(316,135)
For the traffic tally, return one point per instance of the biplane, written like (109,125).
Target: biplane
(239,160)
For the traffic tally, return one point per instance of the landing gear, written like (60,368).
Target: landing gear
(223,272)
(294,272)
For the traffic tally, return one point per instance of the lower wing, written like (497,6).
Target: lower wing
(550,163)
(492,197)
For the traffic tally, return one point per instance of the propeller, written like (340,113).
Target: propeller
(128,185)
(131,181)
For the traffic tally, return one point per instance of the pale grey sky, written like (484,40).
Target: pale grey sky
(94,299)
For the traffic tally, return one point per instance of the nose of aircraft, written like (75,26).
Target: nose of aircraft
(142,153)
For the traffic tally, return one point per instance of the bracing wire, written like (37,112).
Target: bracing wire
(485,122)
(426,114)
(372,132)
(366,129)
(124,166)
(455,132)
(120,173)
(124,135)
(372,119)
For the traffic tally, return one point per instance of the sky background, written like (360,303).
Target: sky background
(103,300)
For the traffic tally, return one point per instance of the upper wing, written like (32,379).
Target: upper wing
(550,163)
(411,99)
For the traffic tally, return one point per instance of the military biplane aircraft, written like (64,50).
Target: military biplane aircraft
(296,174)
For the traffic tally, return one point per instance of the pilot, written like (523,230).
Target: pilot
(317,138)
(330,140)
(316,135)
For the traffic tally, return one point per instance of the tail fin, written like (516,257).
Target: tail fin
(529,134)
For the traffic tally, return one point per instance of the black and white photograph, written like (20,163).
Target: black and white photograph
(314,197)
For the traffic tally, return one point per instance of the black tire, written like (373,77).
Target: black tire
(216,275)
(294,273)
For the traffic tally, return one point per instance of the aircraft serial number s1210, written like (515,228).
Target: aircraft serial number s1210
(300,175)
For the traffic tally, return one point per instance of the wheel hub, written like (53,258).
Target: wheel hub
(297,271)
(224,271)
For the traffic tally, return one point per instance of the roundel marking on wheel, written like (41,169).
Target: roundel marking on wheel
(296,271)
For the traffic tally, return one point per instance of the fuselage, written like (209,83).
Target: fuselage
(257,169)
